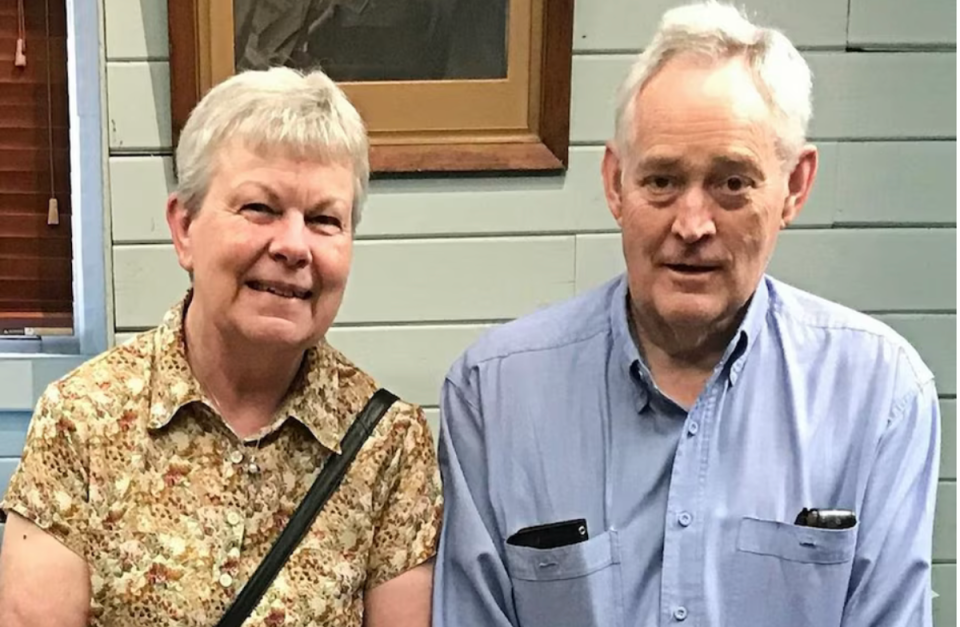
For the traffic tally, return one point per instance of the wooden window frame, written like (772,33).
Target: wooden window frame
(529,133)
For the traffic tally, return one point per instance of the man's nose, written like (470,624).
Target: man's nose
(694,216)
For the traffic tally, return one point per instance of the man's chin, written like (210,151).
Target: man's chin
(691,312)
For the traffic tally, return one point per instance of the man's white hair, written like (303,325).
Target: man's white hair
(719,31)
(280,112)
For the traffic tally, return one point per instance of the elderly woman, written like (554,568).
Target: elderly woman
(157,476)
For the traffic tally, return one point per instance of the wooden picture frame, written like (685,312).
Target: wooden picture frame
(520,123)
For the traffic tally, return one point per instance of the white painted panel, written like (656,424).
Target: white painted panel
(457,279)
(629,24)
(418,207)
(7,466)
(897,183)
(945,605)
(852,182)
(136,29)
(889,23)
(410,360)
(873,270)
(935,338)
(884,95)
(16,384)
(13,432)
(391,281)
(945,524)
(432,414)
(948,439)
(139,187)
(138,106)
(870,96)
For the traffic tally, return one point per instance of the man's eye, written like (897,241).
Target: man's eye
(659,182)
(736,184)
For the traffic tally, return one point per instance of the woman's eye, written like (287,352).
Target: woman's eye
(325,220)
(257,207)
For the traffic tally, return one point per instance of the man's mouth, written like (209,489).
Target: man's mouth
(280,289)
(690,269)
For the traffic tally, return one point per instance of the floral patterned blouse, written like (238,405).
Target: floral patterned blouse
(128,465)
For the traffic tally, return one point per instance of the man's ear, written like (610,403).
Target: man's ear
(179,219)
(612,171)
(799,184)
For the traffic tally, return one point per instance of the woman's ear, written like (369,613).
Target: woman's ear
(179,220)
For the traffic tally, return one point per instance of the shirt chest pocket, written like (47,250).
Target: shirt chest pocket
(570,586)
(780,568)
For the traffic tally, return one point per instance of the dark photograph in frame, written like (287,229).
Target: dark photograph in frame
(375,40)
(518,123)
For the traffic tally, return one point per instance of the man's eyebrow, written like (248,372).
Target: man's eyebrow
(738,163)
(659,163)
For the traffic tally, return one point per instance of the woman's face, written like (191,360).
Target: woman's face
(270,247)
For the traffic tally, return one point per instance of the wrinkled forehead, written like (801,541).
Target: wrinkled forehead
(702,110)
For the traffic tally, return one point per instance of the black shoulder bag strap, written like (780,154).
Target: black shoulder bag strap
(323,487)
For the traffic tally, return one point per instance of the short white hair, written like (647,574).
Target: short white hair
(276,111)
(719,31)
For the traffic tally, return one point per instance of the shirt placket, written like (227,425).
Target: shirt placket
(241,473)
(681,596)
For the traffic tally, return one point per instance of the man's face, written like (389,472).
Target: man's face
(702,192)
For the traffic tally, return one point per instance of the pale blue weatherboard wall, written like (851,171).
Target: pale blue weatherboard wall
(455,256)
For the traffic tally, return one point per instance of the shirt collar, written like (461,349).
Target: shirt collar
(734,357)
(750,328)
(314,399)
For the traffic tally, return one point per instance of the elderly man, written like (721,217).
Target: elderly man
(695,440)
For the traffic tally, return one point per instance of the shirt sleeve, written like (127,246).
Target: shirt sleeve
(471,585)
(408,522)
(890,583)
(50,486)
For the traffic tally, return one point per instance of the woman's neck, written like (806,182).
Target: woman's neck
(246,383)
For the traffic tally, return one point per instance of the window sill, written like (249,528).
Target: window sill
(18,347)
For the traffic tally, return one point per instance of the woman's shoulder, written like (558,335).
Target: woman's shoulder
(106,382)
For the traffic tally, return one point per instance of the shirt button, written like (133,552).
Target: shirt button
(684,519)
(234,553)
(693,427)
(236,457)
(680,613)
(233,518)
(226,580)
(253,468)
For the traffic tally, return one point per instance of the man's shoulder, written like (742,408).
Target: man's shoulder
(569,322)
(858,335)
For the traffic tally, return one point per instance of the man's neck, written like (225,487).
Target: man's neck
(681,360)
(245,383)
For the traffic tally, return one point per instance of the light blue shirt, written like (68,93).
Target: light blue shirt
(690,515)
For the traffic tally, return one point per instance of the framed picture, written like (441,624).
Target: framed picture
(443,85)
